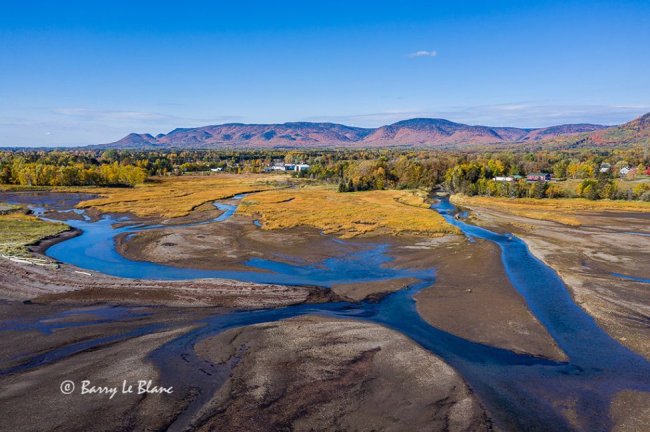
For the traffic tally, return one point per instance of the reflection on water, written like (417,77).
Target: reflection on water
(60,201)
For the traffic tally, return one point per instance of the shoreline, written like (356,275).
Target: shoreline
(41,246)
(514,328)
(73,286)
(471,282)
(586,268)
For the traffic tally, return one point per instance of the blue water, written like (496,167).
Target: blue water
(521,392)
(634,278)
(95,250)
(548,298)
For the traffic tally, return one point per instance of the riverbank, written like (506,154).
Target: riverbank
(18,230)
(473,297)
(71,285)
(587,256)
(470,280)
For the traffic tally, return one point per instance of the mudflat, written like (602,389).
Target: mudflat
(229,244)
(70,285)
(597,260)
(315,373)
(119,353)
(371,290)
(305,373)
(630,411)
(472,296)
(470,282)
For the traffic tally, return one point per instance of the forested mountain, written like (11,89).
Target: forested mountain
(418,132)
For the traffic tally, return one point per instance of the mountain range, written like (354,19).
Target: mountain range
(417,132)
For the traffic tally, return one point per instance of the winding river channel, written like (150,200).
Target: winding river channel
(521,392)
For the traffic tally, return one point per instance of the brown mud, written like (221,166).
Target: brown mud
(472,297)
(315,373)
(586,257)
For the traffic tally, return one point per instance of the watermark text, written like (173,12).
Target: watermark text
(140,387)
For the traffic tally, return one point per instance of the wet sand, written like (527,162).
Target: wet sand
(472,296)
(307,373)
(586,256)
(371,290)
(32,400)
(227,245)
(630,411)
(70,285)
(315,373)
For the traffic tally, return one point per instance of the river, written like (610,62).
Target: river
(521,392)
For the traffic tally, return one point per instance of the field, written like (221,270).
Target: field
(17,230)
(172,197)
(561,210)
(346,214)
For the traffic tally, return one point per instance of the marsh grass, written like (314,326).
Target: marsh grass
(8,208)
(18,230)
(561,210)
(172,197)
(348,214)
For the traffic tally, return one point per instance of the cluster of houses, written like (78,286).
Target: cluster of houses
(276,167)
(605,167)
(534,177)
(287,167)
(628,172)
(625,171)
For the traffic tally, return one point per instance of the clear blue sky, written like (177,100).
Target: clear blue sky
(77,72)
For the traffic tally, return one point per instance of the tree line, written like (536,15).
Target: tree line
(468,172)
(21,172)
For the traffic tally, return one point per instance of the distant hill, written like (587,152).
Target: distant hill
(561,130)
(635,132)
(418,132)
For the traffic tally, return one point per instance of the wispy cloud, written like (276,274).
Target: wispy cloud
(517,114)
(63,126)
(423,53)
(143,119)
(112,115)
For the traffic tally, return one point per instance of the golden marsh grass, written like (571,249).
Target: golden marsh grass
(347,214)
(17,230)
(171,197)
(561,210)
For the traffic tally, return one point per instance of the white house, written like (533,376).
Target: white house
(287,167)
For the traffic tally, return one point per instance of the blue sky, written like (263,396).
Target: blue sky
(76,72)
